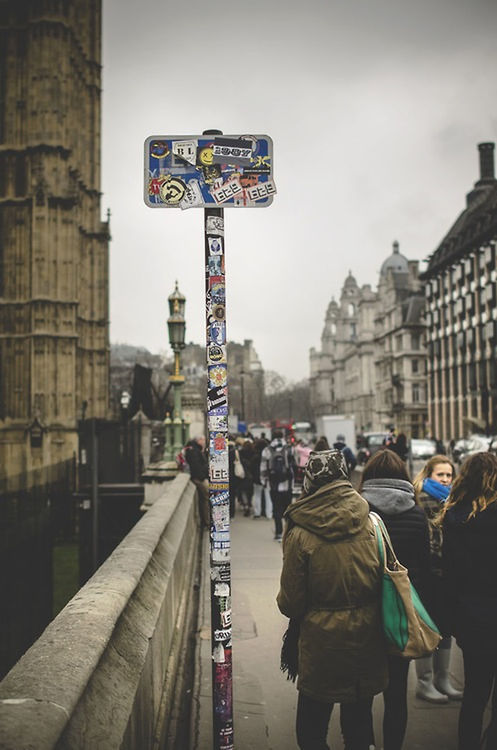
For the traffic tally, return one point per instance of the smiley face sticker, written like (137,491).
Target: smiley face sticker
(205,156)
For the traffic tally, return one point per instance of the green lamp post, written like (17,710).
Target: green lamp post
(176,327)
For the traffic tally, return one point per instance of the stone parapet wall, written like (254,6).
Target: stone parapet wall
(103,673)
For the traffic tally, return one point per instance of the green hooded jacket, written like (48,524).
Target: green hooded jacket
(331,582)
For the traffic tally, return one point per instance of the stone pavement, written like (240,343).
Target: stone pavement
(264,701)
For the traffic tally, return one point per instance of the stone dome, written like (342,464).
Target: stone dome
(397,262)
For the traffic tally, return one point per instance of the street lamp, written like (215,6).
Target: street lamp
(176,327)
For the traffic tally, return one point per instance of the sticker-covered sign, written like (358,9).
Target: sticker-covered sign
(202,171)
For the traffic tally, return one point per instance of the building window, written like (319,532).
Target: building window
(398,343)
(415,340)
(352,330)
(414,366)
(351,309)
(416,393)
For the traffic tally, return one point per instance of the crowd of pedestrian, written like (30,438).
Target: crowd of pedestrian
(444,530)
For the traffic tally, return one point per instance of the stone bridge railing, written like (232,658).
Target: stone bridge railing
(104,673)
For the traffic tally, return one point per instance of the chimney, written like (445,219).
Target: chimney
(487,173)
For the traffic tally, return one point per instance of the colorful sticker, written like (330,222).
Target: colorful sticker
(172,190)
(219,312)
(214,265)
(193,195)
(216,397)
(261,190)
(212,174)
(221,522)
(217,332)
(214,225)
(215,244)
(217,423)
(221,589)
(231,151)
(227,191)
(204,155)
(216,353)
(218,292)
(218,375)
(217,442)
(222,634)
(219,486)
(220,551)
(221,572)
(159,149)
(186,151)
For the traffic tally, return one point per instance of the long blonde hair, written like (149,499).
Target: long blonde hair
(476,483)
(427,471)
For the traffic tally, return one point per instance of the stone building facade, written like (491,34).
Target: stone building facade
(54,337)
(341,379)
(461,290)
(372,360)
(400,353)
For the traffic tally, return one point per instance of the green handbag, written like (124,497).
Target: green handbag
(409,630)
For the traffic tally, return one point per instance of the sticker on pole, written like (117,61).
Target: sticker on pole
(202,171)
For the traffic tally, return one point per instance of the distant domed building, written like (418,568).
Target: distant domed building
(372,360)
(395,262)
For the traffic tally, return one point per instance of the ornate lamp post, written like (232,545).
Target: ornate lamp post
(176,326)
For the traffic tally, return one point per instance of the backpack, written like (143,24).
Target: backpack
(278,466)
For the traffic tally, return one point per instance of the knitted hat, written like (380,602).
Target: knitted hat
(322,468)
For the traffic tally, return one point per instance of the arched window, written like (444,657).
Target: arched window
(351,309)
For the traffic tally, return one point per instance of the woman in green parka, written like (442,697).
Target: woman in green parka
(331,584)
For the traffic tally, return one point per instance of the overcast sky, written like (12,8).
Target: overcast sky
(375,108)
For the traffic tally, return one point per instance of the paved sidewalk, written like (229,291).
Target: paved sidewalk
(264,701)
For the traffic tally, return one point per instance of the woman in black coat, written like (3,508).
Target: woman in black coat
(386,486)
(469,567)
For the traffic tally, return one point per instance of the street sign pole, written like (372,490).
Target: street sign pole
(212,171)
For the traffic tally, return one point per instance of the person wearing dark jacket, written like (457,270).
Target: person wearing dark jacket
(348,453)
(199,472)
(331,584)
(469,567)
(385,484)
(432,486)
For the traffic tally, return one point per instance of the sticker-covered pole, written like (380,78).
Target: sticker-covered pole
(217,426)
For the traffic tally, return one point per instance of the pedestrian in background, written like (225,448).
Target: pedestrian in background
(259,489)
(469,562)
(350,459)
(277,472)
(386,485)
(247,483)
(321,444)
(432,486)
(331,584)
(199,471)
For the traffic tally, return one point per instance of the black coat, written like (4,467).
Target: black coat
(407,525)
(469,564)
(197,461)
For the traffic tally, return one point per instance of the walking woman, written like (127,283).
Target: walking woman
(469,560)
(331,583)
(386,486)
(432,486)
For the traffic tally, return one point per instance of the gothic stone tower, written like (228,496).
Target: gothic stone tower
(54,339)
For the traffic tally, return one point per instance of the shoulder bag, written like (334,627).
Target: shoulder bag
(408,628)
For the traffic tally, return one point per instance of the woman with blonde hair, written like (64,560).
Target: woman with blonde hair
(469,560)
(432,486)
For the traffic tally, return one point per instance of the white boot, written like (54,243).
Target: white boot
(441,659)
(425,688)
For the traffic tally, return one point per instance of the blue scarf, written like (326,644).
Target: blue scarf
(436,490)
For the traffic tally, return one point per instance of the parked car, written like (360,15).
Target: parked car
(474,444)
(423,448)
(371,442)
